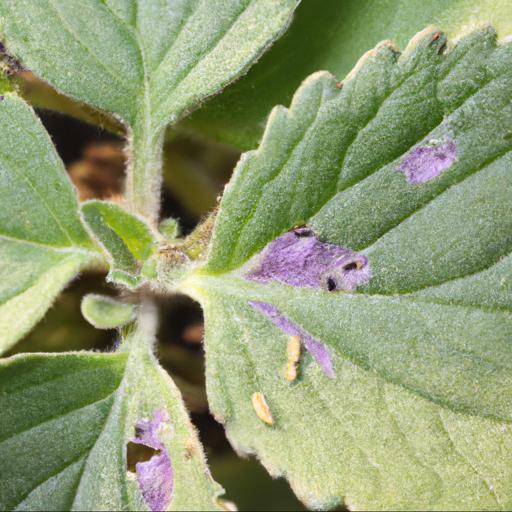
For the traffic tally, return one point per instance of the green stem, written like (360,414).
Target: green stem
(141,334)
(144,173)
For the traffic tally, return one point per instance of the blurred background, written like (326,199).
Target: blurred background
(195,173)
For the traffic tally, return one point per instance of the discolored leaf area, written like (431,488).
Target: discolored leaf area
(42,242)
(67,420)
(331,36)
(401,172)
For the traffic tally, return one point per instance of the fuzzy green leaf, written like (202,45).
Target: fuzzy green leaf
(126,56)
(332,37)
(106,313)
(65,424)
(127,240)
(169,229)
(418,414)
(42,241)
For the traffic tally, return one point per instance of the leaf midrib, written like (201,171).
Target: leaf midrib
(236,286)
(53,475)
(151,104)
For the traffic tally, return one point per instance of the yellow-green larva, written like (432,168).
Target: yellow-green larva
(261,408)
(293,353)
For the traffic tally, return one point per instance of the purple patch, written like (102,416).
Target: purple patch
(427,162)
(299,258)
(155,476)
(313,346)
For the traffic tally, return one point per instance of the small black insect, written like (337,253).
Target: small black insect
(331,284)
(302,232)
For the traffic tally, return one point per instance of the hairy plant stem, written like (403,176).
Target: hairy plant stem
(144,171)
(142,332)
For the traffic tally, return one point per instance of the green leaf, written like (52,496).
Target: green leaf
(147,62)
(169,229)
(65,424)
(127,240)
(106,313)
(42,242)
(30,280)
(418,414)
(332,37)
(126,56)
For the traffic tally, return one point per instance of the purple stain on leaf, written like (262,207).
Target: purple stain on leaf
(155,476)
(426,162)
(299,258)
(316,348)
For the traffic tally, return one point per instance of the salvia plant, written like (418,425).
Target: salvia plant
(355,276)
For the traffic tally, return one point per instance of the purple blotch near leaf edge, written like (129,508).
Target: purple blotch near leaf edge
(316,348)
(155,476)
(299,258)
(427,162)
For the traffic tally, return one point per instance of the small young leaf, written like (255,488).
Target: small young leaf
(127,240)
(106,313)
(397,287)
(42,242)
(169,228)
(69,421)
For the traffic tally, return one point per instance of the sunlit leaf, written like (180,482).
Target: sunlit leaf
(398,287)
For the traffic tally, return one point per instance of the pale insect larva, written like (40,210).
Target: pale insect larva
(293,352)
(261,408)
(291,372)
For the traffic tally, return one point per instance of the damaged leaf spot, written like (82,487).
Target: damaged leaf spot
(136,453)
(299,258)
(427,162)
(316,348)
(261,408)
(154,474)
